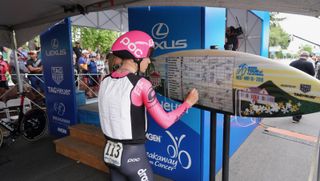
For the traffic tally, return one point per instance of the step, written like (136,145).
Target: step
(88,133)
(82,151)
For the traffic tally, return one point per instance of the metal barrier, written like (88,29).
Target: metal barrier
(81,80)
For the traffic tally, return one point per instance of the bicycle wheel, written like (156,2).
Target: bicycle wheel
(34,124)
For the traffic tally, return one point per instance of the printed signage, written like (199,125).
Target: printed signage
(57,63)
(175,153)
(177,29)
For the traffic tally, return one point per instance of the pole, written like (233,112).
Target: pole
(213,132)
(20,89)
(318,173)
(226,147)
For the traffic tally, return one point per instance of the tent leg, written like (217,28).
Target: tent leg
(20,83)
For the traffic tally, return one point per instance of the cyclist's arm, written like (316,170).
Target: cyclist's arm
(149,99)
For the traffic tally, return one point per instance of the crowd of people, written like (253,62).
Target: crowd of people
(89,67)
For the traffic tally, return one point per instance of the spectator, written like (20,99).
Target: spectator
(100,64)
(83,70)
(305,66)
(4,68)
(317,67)
(22,58)
(35,68)
(32,45)
(114,62)
(78,51)
(232,42)
(93,73)
(98,49)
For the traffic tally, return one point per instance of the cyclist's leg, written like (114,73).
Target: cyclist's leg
(115,175)
(135,164)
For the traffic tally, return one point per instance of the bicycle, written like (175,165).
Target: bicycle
(31,124)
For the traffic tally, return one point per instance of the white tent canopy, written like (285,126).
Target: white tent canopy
(116,20)
(29,18)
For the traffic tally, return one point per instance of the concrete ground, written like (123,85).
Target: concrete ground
(277,150)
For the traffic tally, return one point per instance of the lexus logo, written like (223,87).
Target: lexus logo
(160,31)
(54,43)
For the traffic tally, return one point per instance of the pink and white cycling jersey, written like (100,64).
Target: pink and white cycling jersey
(123,101)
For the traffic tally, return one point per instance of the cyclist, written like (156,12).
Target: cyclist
(123,98)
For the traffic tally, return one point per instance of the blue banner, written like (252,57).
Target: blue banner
(172,28)
(56,53)
(175,153)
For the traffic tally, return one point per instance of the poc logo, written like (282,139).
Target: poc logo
(131,46)
(161,31)
(143,175)
(153,137)
(54,43)
(130,160)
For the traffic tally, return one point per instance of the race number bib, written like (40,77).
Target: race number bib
(113,153)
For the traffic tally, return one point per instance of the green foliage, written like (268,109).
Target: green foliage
(307,48)
(279,37)
(274,19)
(91,38)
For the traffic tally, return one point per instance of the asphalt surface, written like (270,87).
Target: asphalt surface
(284,155)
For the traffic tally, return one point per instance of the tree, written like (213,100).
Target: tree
(307,48)
(277,35)
(91,38)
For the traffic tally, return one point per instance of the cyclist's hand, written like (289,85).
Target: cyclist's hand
(192,97)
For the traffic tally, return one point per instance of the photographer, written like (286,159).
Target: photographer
(231,41)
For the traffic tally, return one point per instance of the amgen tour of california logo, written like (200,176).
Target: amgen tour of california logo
(175,152)
(57,74)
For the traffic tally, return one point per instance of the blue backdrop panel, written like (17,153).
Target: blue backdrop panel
(57,63)
(215,23)
(176,152)
(172,28)
(265,16)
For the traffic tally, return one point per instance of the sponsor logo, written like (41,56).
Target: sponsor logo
(305,88)
(143,175)
(170,106)
(54,43)
(130,160)
(174,151)
(160,31)
(153,137)
(59,108)
(288,86)
(55,49)
(57,74)
(249,73)
(175,155)
(304,95)
(131,46)
(62,130)
(56,90)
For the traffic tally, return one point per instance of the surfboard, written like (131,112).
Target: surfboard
(238,83)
